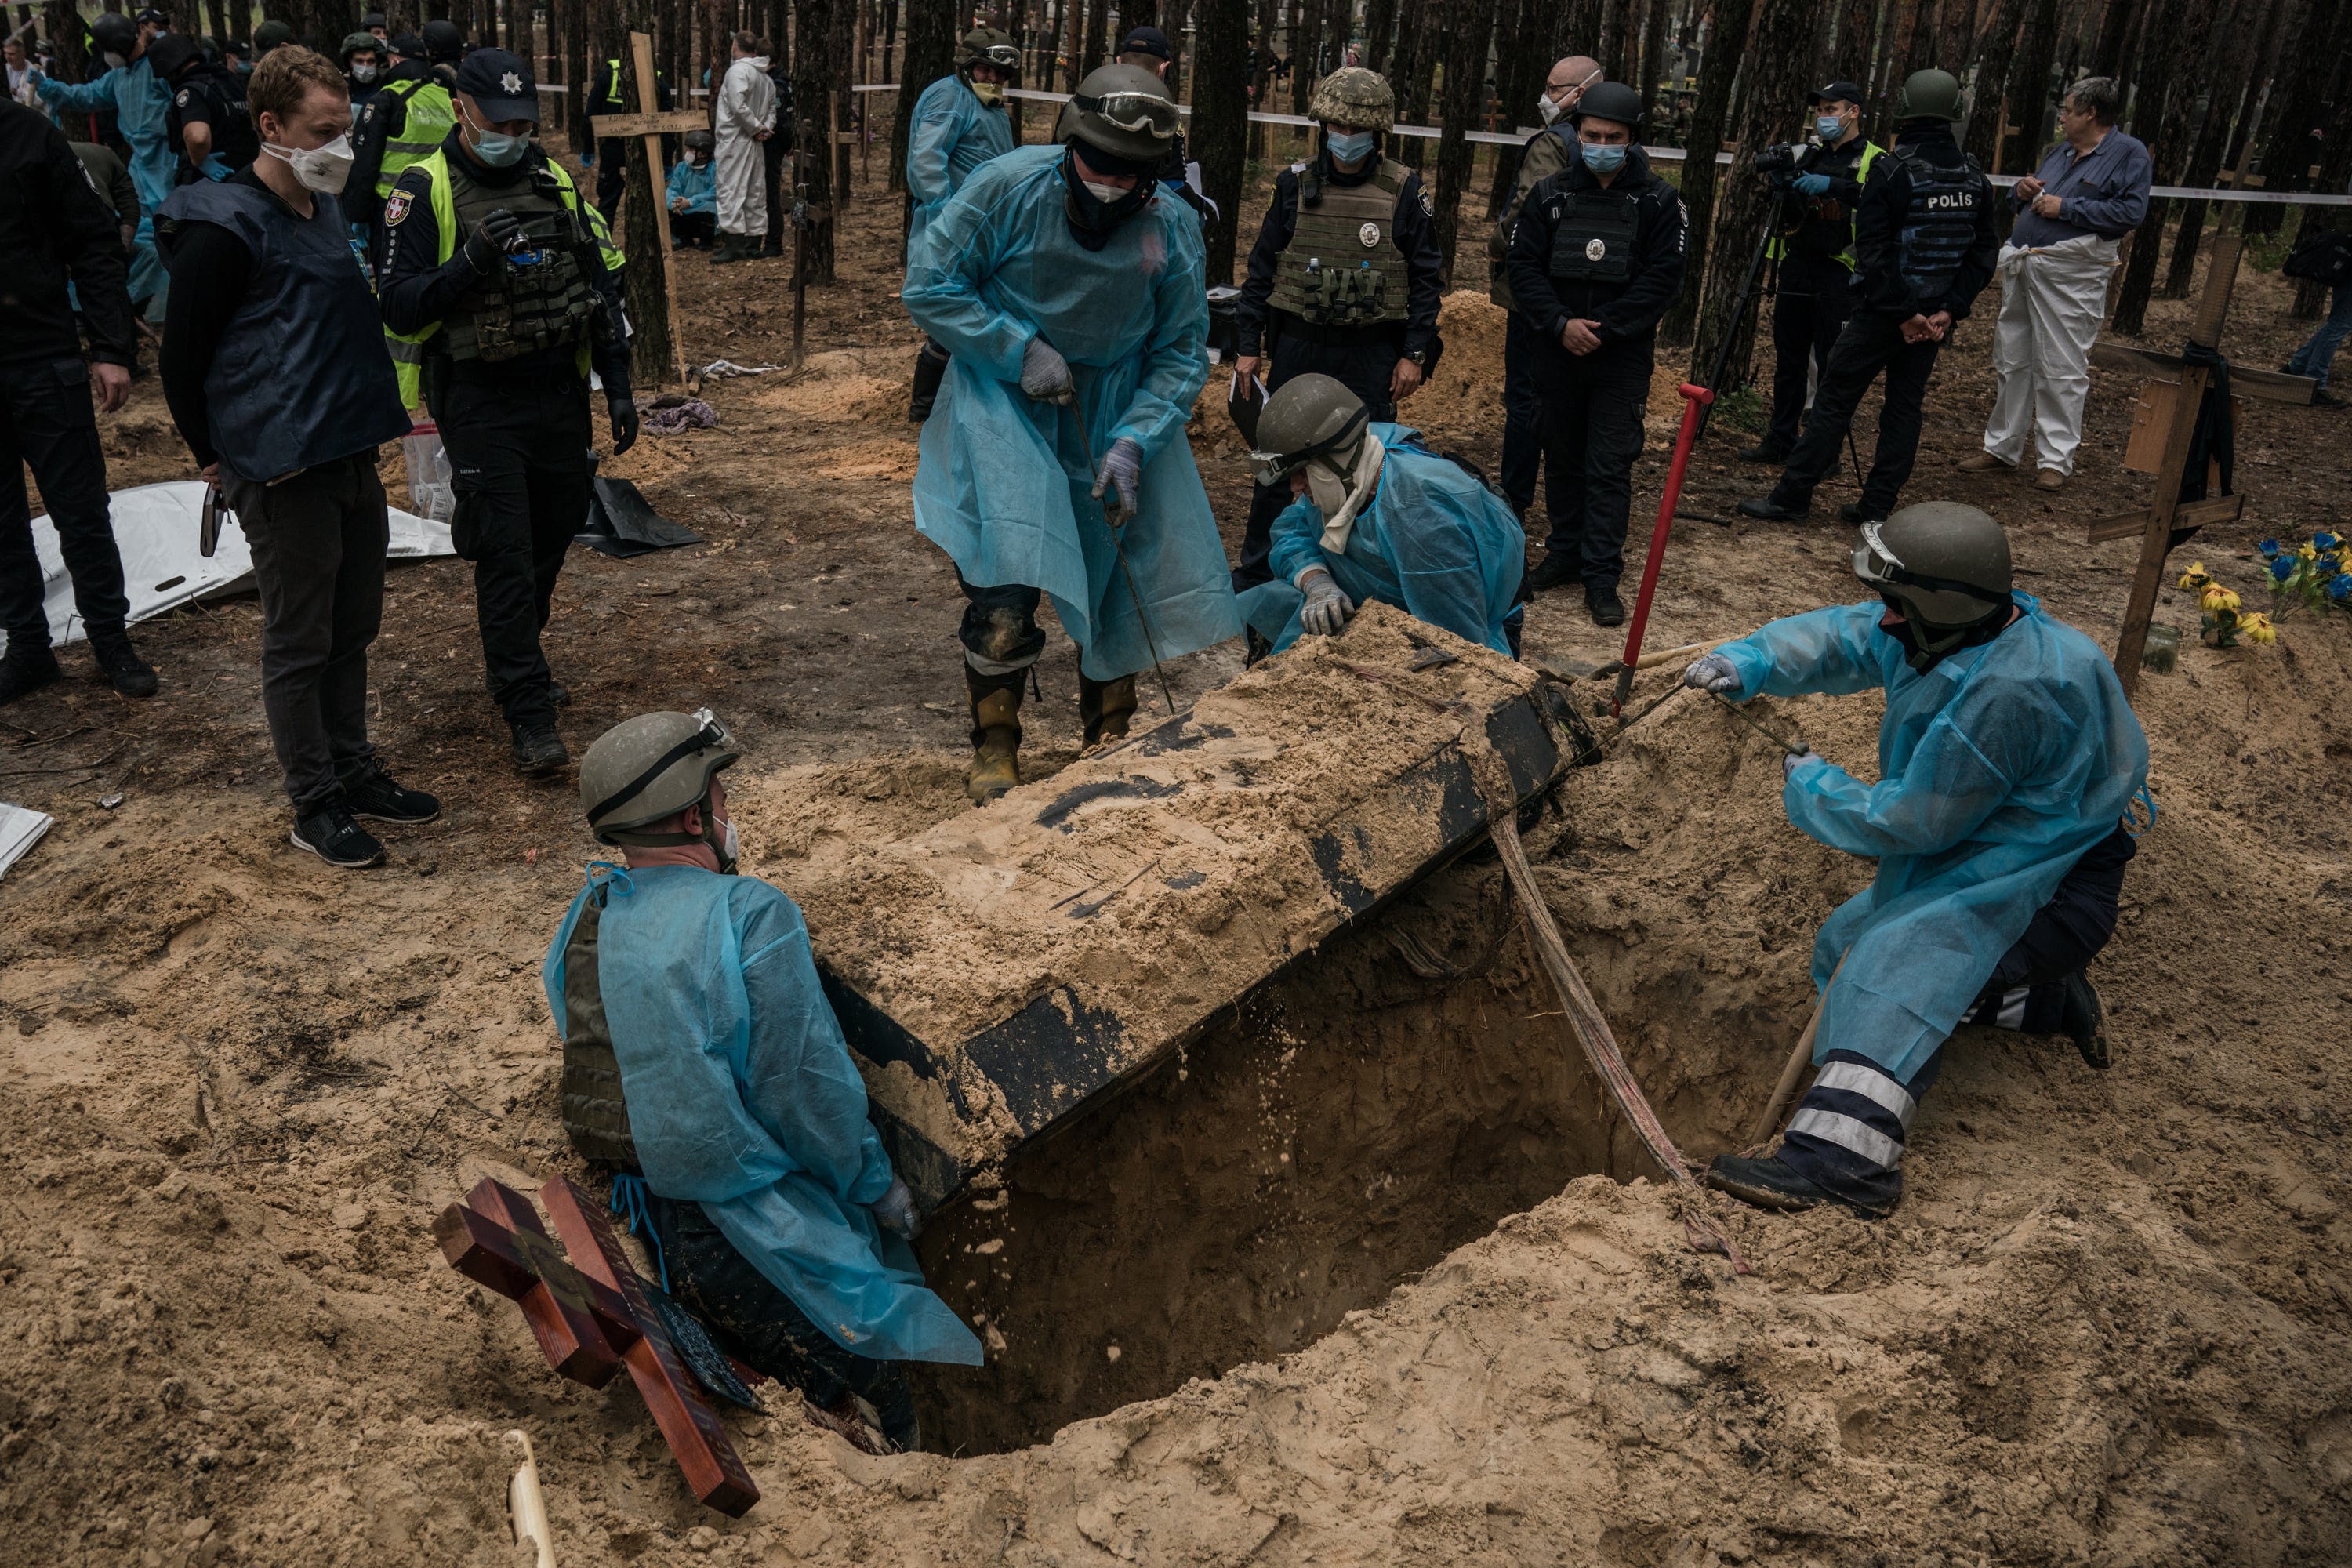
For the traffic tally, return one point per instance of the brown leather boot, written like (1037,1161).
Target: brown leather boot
(1105,707)
(995,735)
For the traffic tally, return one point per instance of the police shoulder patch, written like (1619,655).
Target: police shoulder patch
(395,208)
(1428,202)
(185,94)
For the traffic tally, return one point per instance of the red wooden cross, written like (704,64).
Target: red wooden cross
(593,1318)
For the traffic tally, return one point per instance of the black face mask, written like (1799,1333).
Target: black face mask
(1922,658)
(1093,220)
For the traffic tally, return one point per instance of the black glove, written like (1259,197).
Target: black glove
(498,232)
(624,410)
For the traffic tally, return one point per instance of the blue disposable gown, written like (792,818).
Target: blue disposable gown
(139,102)
(953,133)
(1997,770)
(696,183)
(1005,483)
(742,1098)
(1432,540)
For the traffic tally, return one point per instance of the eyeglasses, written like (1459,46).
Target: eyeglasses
(1145,111)
(1553,89)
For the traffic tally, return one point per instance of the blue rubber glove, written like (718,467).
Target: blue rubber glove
(1813,184)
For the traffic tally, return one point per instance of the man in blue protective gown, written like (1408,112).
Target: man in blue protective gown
(140,100)
(1377,516)
(2007,762)
(1071,298)
(960,123)
(699,1051)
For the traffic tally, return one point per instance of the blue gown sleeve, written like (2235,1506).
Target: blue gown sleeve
(680,173)
(1829,650)
(797,1078)
(935,130)
(85,95)
(1176,366)
(1297,541)
(942,291)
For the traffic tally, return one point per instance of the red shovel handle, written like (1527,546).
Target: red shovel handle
(1693,399)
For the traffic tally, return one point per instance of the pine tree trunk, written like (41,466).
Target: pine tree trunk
(1379,24)
(2115,27)
(2244,37)
(1777,53)
(841,36)
(812,92)
(644,282)
(2161,115)
(1409,80)
(1465,95)
(931,55)
(2298,105)
(1857,41)
(1993,53)
(1717,70)
(1219,137)
(1654,63)
(1619,45)
(1520,68)
(2029,89)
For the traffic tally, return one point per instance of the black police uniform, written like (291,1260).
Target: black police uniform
(1924,242)
(1345,281)
(774,152)
(1815,286)
(214,96)
(1614,255)
(381,118)
(613,151)
(516,428)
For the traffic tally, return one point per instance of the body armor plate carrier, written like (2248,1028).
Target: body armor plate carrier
(1342,267)
(538,296)
(595,1116)
(1594,242)
(1941,224)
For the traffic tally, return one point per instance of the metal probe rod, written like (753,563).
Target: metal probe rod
(1149,642)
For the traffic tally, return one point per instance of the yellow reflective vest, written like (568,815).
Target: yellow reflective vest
(1870,151)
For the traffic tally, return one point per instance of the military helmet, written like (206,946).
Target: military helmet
(443,44)
(353,43)
(1308,417)
(1929,95)
(1945,564)
(172,53)
(1354,99)
(1122,110)
(701,141)
(650,767)
(269,36)
(990,46)
(1611,101)
(113,33)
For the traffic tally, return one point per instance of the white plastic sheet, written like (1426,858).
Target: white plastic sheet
(20,829)
(155,528)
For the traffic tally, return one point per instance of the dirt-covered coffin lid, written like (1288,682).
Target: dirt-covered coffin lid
(999,973)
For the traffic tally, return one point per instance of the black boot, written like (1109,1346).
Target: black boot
(538,749)
(1854,512)
(1771,510)
(1772,1184)
(1105,707)
(125,670)
(995,732)
(2084,1018)
(24,673)
(1607,609)
(1556,568)
(930,368)
(1764,451)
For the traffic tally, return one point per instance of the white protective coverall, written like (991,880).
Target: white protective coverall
(2053,299)
(747,106)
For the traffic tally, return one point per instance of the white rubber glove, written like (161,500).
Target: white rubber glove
(1326,609)
(895,1210)
(1712,672)
(1122,469)
(1791,761)
(1045,373)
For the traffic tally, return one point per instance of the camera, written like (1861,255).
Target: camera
(1784,161)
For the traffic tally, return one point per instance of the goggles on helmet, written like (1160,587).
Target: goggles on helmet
(1273,468)
(1004,57)
(1144,111)
(1877,565)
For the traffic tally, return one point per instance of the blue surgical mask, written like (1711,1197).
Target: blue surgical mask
(499,150)
(1347,146)
(1602,160)
(1831,127)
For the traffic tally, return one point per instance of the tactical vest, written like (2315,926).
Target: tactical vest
(1596,238)
(1342,267)
(538,298)
(1942,222)
(430,117)
(595,1115)
(1825,228)
(235,140)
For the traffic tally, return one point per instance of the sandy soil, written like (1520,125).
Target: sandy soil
(1358,1317)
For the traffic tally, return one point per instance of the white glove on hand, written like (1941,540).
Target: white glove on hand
(1122,469)
(1791,761)
(1712,672)
(1326,609)
(895,1210)
(1045,373)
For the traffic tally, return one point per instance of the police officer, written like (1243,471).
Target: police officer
(776,151)
(497,297)
(362,58)
(1814,252)
(1596,257)
(404,124)
(1924,248)
(1345,277)
(208,121)
(1146,48)
(612,158)
(959,123)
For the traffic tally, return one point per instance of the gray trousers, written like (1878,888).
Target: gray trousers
(317,544)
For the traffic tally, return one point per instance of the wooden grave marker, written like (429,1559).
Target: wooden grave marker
(590,1317)
(652,122)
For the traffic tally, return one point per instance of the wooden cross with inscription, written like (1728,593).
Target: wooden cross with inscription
(653,122)
(592,1318)
(2162,430)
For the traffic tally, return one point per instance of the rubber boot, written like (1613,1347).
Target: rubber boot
(1105,707)
(930,368)
(995,733)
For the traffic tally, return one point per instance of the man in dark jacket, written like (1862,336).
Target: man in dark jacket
(403,124)
(209,124)
(1596,257)
(1924,249)
(55,229)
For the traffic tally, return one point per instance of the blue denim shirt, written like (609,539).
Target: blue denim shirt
(2103,192)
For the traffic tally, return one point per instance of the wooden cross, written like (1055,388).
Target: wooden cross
(592,1318)
(652,122)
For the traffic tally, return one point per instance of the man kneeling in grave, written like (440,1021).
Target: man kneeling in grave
(702,1060)
(1378,516)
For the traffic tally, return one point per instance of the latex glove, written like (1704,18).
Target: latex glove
(1712,672)
(895,1210)
(1121,470)
(1813,184)
(1791,761)
(1045,373)
(498,232)
(1326,609)
(623,411)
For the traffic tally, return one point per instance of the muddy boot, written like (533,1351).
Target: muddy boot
(1105,707)
(2083,1018)
(731,248)
(1772,1184)
(1255,647)
(995,733)
(930,368)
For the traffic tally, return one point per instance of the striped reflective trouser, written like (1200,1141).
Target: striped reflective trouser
(1850,1129)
